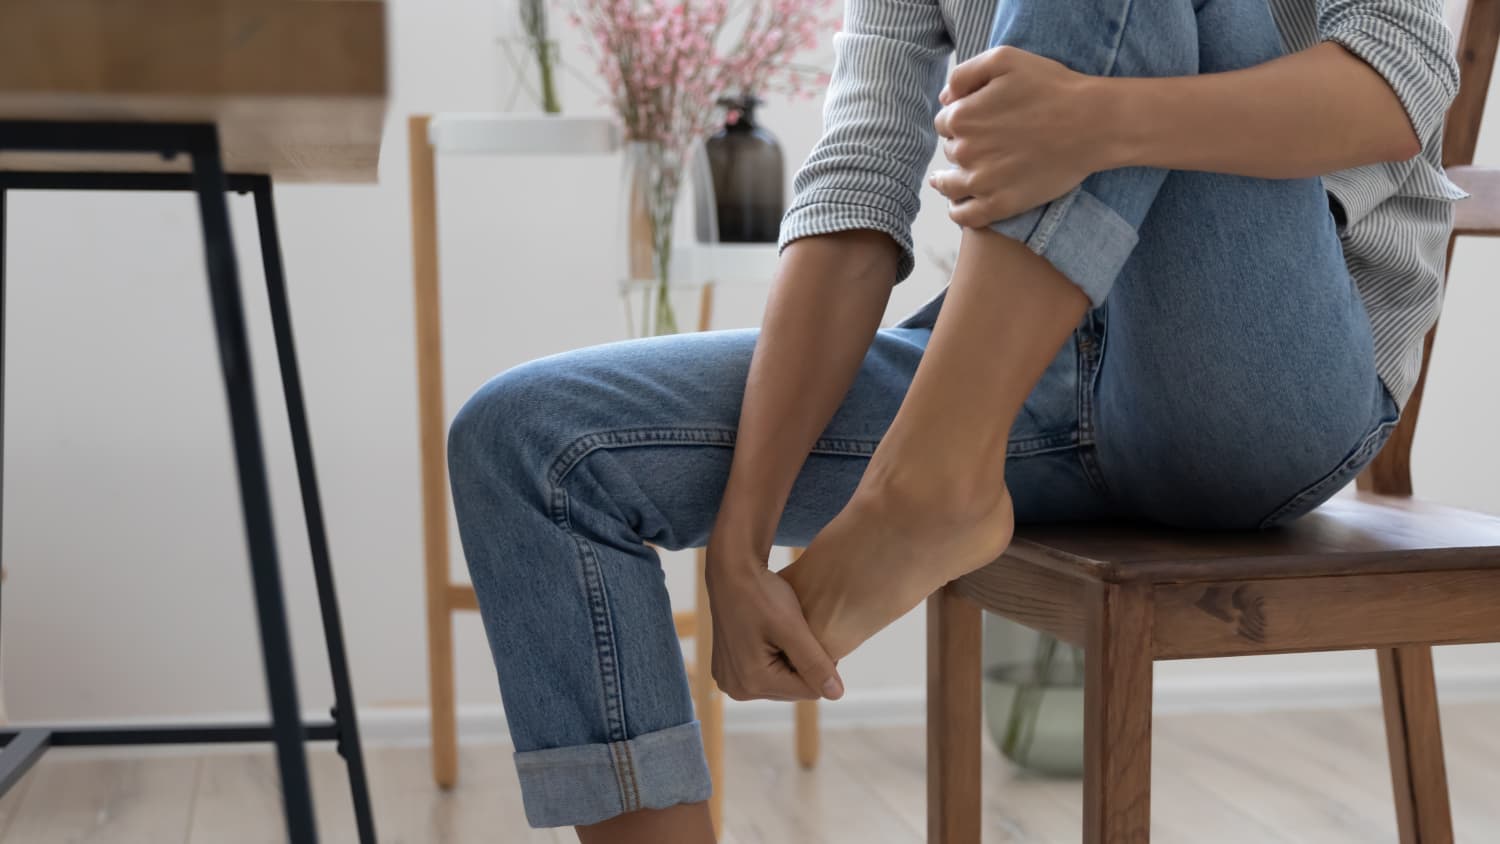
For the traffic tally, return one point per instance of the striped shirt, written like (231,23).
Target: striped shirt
(891,58)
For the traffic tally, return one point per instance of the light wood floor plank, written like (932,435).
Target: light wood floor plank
(11,802)
(771,800)
(80,800)
(1274,778)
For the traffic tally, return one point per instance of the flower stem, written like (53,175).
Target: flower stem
(544,53)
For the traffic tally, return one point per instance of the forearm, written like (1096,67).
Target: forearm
(1307,114)
(825,306)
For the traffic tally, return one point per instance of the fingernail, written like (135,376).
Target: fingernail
(832,688)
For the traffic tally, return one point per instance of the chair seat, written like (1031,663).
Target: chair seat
(1362,534)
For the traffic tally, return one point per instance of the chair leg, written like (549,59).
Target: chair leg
(1409,690)
(706,693)
(344,712)
(1117,717)
(255,495)
(954,718)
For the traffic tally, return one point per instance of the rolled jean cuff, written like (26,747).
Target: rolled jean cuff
(1085,239)
(589,783)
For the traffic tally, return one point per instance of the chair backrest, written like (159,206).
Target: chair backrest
(1477,24)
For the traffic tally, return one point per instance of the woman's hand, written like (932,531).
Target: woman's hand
(763,647)
(1021,130)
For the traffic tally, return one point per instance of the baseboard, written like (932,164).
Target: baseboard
(906,706)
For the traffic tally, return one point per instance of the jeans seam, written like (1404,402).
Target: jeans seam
(635,788)
(619,757)
(1043,444)
(1369,444)
(596,590)
(1091,342)
(574,453)
(600,617)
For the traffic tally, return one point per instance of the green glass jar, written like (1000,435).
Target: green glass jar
(1033,698)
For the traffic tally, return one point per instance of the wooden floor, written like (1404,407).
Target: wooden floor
(1314,777)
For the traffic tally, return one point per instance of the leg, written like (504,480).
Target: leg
(563,471)
(344,712)
(954,718)
(1235,334)
(441,704)
(1416,745)
(234,356)
(1117,717)
(566,471)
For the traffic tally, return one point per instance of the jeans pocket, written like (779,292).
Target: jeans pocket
(1321,490)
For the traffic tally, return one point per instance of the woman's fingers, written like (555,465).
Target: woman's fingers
(771,678)
(968,77)
(813,665)
(952,183)
(975,213)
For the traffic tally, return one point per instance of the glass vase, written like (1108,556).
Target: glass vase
(652,180)
(1033,698)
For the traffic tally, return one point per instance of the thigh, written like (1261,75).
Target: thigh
(1238,364)
(655,421)
(650,425)
(1238,369)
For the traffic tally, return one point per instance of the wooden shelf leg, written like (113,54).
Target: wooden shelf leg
(432,431)
(710,701)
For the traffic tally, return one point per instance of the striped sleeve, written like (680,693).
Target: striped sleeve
(1408,43)
(866,170)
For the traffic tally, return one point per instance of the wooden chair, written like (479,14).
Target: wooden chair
(1379,571)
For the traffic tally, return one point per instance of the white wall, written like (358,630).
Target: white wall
(128,594)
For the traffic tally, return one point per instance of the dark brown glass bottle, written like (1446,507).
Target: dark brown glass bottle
(748,176)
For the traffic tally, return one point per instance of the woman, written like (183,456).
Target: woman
(1203,241)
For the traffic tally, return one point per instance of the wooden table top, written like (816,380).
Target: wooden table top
(297,87)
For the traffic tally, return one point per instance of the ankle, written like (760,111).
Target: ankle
(933,502)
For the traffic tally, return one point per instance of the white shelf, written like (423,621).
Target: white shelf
(736,263)
(496,133)
(502,134)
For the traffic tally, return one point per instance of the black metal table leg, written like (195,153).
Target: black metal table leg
(312,507)
(22,747)
(234,359)
(18,753)
(2,406)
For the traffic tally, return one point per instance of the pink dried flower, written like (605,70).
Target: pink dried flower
(667,62)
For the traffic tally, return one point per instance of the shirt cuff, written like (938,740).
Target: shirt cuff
(831,210)
(1425,86)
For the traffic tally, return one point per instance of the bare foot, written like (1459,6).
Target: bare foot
(885,553)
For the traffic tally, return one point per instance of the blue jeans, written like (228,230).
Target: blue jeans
(1226,381)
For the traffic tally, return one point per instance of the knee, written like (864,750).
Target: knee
(504,429)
